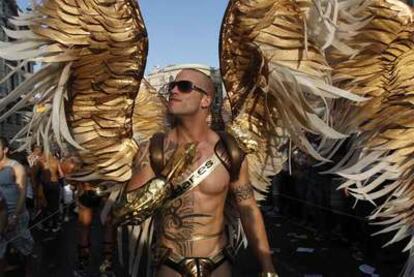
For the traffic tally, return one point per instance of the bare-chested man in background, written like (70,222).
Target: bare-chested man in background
(45,171)
(191,239)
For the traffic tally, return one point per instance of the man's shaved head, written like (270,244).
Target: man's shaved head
(196,100)
(205,80)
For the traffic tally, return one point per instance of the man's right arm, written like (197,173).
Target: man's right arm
(141,171)
(144,193)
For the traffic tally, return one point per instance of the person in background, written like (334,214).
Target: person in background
(33,160)
(88,203)
(46,180)
(13,190)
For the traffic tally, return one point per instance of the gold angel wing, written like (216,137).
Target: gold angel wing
(94,54)
(149,115)
(380,162)
(363,73)
(278,80)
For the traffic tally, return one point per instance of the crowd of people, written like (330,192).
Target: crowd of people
(191,236)
(316,202)
(32,195)
(15,216)
(35,194)
(32,186)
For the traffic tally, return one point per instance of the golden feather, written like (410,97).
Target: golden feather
(379,164)
(277,79)
(97,53)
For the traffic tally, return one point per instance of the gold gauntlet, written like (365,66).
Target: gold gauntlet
(138,205)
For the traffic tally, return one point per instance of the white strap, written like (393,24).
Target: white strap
(12,163)
(197,176)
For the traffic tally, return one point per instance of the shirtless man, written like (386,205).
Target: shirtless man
(191,239)
(88,202)
(33,161)
(45,178)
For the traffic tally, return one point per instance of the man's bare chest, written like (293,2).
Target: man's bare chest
(216,183)
(215,178)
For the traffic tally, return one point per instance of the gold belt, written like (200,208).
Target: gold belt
(202,237)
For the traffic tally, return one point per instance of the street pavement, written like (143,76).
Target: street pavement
(298,250)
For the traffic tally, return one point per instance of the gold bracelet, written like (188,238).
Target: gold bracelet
(268,274)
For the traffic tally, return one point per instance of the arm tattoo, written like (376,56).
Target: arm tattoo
(169,149)
(142,158)
(243,192)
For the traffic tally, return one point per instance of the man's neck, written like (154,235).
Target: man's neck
(190,131)
(4,161)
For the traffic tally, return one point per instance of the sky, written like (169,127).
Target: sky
(180,31)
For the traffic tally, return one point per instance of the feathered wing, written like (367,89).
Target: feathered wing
(362,72)
(89,92)
(278,80)
(272,55)
(149,115)
(278,70)
(93,55)
(379,166)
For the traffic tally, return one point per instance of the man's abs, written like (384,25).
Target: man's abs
(193,225)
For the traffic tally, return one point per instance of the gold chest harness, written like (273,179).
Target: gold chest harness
(226,149)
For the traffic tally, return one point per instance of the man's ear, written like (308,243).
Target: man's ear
(6,150)
(206,101)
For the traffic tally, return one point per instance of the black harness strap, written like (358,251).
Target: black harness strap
(235,155)
(156,152)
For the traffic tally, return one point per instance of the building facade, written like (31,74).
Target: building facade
(159,77)
(14,123)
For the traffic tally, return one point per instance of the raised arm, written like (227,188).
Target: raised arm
(252,219)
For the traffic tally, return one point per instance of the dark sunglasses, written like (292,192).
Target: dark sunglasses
(185,87)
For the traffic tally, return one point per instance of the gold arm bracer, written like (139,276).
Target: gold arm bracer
(138,205)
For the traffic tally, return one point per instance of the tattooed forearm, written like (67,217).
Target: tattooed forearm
(243,192)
